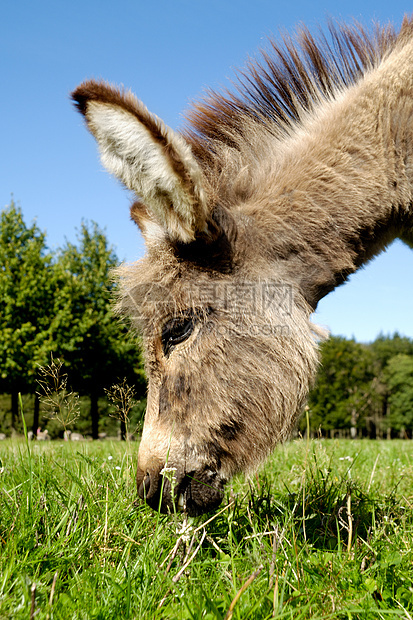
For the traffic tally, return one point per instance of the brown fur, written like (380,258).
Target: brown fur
(307,174)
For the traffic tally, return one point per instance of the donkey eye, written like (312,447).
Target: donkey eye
(175,331)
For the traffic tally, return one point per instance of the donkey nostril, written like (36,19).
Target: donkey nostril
(145,486)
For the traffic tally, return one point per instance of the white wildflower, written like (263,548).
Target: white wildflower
(185,532)
(167,470)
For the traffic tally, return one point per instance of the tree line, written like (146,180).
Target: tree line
(363,389)
(57,305)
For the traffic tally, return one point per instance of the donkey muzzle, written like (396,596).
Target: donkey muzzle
(169,488)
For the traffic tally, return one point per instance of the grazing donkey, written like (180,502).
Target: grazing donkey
(267,201)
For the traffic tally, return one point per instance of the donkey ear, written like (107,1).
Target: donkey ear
(151,230)
(148,157)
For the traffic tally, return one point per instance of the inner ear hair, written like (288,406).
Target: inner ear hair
(140,215)
(150,228)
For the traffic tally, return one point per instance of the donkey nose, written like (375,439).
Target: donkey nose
(149,484)
(196,492)
(145,486)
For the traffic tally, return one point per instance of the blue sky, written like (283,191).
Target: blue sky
(167,53)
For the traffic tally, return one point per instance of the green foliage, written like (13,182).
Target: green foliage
(60,305)
(324,531)
(363,386)
(26,300)
(399,373)
(386,347)
(96,348)
(83,303)
(344,393)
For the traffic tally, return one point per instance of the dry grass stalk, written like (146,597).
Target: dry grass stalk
(241,592)
(58,402)
(122,397)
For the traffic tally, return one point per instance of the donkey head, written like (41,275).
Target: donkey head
(228,345)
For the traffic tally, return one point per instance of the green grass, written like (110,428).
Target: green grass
(325,530)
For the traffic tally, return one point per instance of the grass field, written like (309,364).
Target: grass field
(325,530)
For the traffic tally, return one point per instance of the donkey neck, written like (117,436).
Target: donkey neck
(341,187)
(318,261)
(321,236)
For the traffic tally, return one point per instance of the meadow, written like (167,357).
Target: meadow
(323,530)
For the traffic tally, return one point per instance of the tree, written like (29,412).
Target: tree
(399,373)
(386,347)
(345,391)
(96,347)
(60,305)
(26,299)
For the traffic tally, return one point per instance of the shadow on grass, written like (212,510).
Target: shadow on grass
(326,512)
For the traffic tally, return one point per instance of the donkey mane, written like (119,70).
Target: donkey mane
(287,84)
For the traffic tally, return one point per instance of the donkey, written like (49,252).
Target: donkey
(264,203)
